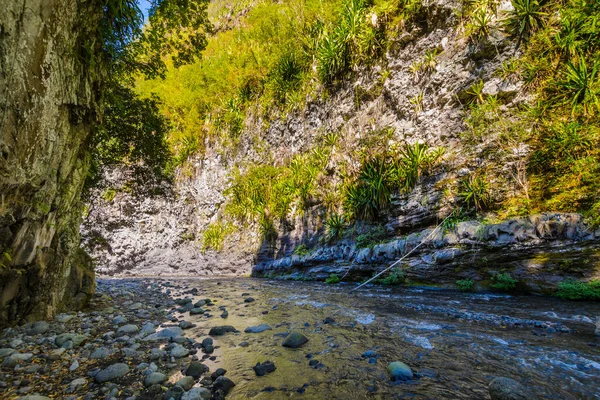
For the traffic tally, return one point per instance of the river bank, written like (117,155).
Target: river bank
(455,344)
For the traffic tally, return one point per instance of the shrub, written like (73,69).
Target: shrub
(503,281)
(395,277)
(335,226)
(465,285)
(580,85)
(575,290)
(214,236)
(526,17)
(475,192)
(301,250)
(372,238)
(333,279)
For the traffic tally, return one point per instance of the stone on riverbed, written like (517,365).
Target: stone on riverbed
(265,368)
(294,340)
(197,393)
(186,325)
(196,369)
(165,334)
(508,389)
(196,311)
(223,384)
(179,351)
(100,352)
(399,371)
(187,382)
(126,330)
(258,329)
(112,372)
(76,384)
(38,328)
(221,330)
(155,378)
(6,352)
(70,337)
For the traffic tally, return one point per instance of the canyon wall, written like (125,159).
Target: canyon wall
(133,235)
(47,107)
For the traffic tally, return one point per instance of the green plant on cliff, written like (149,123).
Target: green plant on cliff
(525,18)
(475,192)
(576,290)
(373,237)
(395,277)
(504,281)
(335,226)
(213,237)
(333,279)
(465,285)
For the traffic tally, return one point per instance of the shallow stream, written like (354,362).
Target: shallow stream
(456,343)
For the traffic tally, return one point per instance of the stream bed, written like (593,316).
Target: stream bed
(455,343)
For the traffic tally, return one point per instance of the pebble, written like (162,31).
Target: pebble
(196,369)
(265,368)
(221,330)
(197,393)
(179,351)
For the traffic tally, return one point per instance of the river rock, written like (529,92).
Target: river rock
(294,340)
(597,331)
(128,329)
(155,378)
(187,382)
(182,302)
(248,300)
(165,334)
(197,393)
(399,371)
(265,368)
(257,329)
(196,369)
(186,325)
(74,338)
(76,384)
(179,351)
(196,311)
(223,384)
(176,392)
(221,330)
(38,328)
(6,352)
(112,372)
(100,352)
(508,389)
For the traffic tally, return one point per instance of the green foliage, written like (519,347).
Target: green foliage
(479,27)
(457,215)
(503,281)
(475,192)
(465,285)
(395,277)
(214,236)
(579,86)
(372,238)
(526,17)
(109,194)
(335,225)
(301,250)
(132,133)
(333,279)
(575,290)
(381,175)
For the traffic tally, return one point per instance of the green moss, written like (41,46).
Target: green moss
(504,281)
(333,279)
(301,250)
(465,285)
(575,290)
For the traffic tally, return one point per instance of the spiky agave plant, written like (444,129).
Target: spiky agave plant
(335,226)
(526,18)
(580,85)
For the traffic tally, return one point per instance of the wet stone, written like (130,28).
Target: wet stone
(196,369)
(197,393)
(196,311)
(257,329)
(265,368)
(294,340)
(187,382)
(186,325)
(223,384)
(221,330)
(398,371)
(508,389)
(155,378)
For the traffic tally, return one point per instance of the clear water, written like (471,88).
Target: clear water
(457,342)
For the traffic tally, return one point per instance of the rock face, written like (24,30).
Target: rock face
(160,235)
(48,103)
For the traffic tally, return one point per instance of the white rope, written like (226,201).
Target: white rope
(401,258)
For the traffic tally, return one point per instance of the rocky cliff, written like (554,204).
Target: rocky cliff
(162,235)
(47,103)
